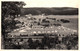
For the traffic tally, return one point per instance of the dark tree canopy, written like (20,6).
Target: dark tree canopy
(9,10)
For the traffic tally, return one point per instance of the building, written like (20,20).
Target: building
(60,31)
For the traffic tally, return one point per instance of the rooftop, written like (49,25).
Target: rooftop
(52,29)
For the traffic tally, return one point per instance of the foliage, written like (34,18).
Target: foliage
(50,11)
(9,10)
(68,42)
(65,21)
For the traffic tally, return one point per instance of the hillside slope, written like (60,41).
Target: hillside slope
(50,11)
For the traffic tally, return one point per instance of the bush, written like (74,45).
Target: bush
(57,24)
(65,21)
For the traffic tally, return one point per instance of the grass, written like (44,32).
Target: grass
(72,18)
(73,23)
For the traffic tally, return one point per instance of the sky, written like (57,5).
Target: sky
(51,3)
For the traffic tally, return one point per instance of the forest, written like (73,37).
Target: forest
(50,11)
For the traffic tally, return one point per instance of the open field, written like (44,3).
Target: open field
(72,18)
(73,24)
(55,36)
(58,16)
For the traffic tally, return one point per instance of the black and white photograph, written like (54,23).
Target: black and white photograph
(40,25)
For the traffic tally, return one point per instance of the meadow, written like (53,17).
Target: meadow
(51,42)
(73,24)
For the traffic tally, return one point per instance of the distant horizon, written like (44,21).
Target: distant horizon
(50,7)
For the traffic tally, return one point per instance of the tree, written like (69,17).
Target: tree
(36,44)
(9,10)
(30,41)
(12,9)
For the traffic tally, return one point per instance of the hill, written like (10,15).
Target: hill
(50,11)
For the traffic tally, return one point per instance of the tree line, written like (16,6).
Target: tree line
(8,12)
(67,42)
(50,11)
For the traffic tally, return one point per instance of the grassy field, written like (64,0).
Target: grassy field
(72,18)
(73,23)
